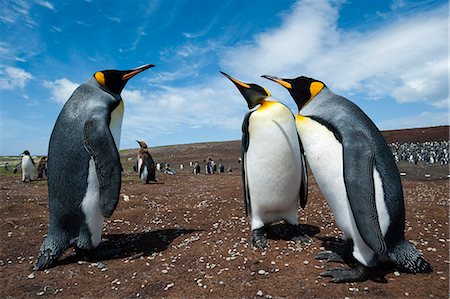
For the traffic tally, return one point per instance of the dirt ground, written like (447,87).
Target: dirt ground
(187,236)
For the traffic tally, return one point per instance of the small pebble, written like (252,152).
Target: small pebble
(396,273)
(261,272)
(31,275)
(259,293)
(305,262)
(168,286)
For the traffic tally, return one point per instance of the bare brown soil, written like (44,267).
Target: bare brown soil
(187,236)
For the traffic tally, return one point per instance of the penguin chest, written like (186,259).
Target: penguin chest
(115,125)
(273,164)
(144,171)
(325,157)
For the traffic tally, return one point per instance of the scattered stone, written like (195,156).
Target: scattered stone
(168,286)
(259,293)
(396,273)
(261,272)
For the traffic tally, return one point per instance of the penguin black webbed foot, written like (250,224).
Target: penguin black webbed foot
(259,239)
(329,256)
(45,260)
(341,275)
(298,235)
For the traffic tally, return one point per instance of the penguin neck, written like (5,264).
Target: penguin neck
(95,83)
(319,99)
(266,104)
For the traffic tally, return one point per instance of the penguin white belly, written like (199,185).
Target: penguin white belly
(273,168)
(27,169)
(91,205)
(115,125)
(144,173)
(325,157)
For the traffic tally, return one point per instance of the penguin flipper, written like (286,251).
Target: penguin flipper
(244,147)
(102,148)
(304,183)
(359,163)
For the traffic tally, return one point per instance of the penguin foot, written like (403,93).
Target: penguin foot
(45,260)
(259,239)
(298,235)
(340,275)
(329,256)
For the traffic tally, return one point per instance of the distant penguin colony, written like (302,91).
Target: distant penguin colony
(27,167)
(357,174)
(145,165)
(84,170)
(349,158)
(273,169)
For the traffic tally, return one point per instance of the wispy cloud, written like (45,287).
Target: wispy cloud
(61,89)
(390,60)
(17,11)
(46,4)
(13,77)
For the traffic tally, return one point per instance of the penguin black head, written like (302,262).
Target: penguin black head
(115,80)
(302,89)
(252,93)
(26,153)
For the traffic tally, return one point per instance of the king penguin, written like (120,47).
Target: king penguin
(27,167)
(357,174)
(84,170)
(145,164)
(273,169)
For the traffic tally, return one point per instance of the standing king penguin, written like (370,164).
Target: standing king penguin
(145,164)
(27,167)
(273,169)
(84,170)
(357,174)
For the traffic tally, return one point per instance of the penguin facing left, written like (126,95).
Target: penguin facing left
(273,169)
(84,170)
(145,164)
(355,170)
(27,167)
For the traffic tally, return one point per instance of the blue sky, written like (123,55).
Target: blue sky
(389,57)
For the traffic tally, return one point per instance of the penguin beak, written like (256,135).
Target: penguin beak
(279,81)
(235,81)
(131,73)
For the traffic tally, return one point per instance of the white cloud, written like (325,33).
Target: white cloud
(12,77)
(169,110)
(424,119)
(46,4)
(61,89)
(406,59)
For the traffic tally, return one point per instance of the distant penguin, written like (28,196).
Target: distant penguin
(84,170)
(356,172)
(27,167)
(146,166)
(273,169)
(42,168)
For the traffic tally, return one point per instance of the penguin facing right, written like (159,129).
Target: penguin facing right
(145,164)
(84,170)
(357,174)
(27,167)
(273,169)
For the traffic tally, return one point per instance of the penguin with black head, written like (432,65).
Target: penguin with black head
(273,169)
(84,170)
(357,174)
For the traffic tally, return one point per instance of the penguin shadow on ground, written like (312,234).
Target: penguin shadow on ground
(287,232)
(130,246)
(344,249)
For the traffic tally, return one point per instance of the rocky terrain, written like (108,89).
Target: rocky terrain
(187,236)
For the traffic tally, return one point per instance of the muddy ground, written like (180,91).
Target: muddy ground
(187,236)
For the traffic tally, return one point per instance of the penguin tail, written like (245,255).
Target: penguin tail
(409,259)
